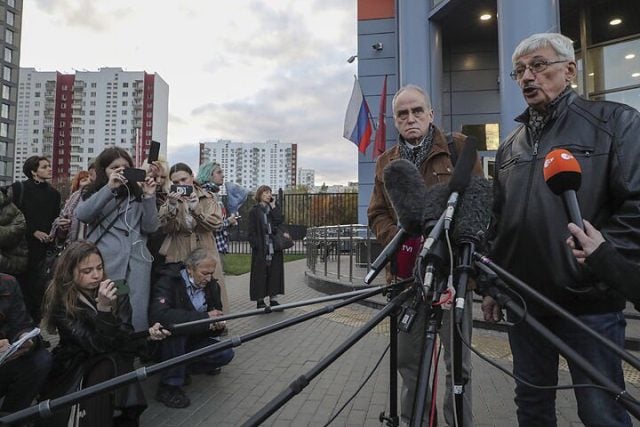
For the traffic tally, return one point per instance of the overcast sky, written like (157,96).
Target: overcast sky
(245,70)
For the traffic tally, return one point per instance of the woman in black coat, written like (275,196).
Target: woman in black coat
(267,265)
(95,345)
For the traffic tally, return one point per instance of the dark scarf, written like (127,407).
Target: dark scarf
(417,154)
(538,120)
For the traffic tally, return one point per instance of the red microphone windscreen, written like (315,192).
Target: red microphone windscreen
(562,171)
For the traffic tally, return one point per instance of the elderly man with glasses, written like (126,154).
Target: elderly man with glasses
(530,228)
(187,292)
(433,153)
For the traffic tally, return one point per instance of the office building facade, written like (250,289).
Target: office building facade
(71,118)
(251,165)
(460,52)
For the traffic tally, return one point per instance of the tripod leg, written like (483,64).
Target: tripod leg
(423,394)
(460,388)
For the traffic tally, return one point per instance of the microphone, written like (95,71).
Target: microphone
(436,208)
(563,175)
(407,193)
(461,176)
(471,222)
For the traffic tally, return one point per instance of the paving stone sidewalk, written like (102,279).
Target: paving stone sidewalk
(264,367)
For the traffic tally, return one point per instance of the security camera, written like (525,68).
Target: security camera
(377,46)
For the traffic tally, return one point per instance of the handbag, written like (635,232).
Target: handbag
(280,241)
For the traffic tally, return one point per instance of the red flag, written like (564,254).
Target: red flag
(380,144)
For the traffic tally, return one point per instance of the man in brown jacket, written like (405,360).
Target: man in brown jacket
(426,146)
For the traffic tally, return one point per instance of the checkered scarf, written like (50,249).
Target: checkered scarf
(417,154)
(538,120)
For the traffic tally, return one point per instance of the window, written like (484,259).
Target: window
(4,130)
(11,18)
(4,112)
(38,85)
(8,54)
(36,94)
(11,3)
(125,93)
(93,94)
(125,84)
(8,36)
(124,112)
(125,103)
(6,73)
(93,84)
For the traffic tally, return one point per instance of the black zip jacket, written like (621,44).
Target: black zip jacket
(170,304)
(529,227)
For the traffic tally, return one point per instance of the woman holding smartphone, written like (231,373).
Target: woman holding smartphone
(267,264)
(120,215)
(82,306)
(189,217)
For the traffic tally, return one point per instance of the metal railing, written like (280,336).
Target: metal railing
(343,252)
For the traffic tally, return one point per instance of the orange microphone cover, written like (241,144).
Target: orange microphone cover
(562,171)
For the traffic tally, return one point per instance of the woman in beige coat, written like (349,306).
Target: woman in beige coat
(189,222)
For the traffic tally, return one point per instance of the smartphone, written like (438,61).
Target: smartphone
(134,175)
(183,190)
(121,286)
(154,152)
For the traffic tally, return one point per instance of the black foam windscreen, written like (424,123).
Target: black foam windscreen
(436,201)
(464,165)
(474,211)
(407,193)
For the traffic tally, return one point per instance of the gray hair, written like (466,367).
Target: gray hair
(562,45)
(197,256)
(407,87)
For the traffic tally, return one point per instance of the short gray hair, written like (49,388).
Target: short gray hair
(562,45)
(405,88)
(197,256)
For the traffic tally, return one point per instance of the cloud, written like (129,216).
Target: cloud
(87,14)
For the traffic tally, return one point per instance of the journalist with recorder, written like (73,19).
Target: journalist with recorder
(426,146)
(529,227)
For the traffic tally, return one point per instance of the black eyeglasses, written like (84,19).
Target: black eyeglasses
(536,67)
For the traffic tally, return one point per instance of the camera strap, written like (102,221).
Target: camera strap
(113,221)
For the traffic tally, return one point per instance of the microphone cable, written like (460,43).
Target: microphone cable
(375,368)
(617,396)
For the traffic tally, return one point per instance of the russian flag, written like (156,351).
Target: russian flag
(357,125)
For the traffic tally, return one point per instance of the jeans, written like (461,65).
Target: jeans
(410,347)
(181,344)
(21,379)
(536,361)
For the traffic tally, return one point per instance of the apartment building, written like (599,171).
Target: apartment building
(271,163)
(10,26)
(71,118)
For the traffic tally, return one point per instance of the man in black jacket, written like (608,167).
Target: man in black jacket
(184,293)
(529,227)
(24,372)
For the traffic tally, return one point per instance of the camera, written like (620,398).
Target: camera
(183,190)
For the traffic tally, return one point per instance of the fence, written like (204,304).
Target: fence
(301,211)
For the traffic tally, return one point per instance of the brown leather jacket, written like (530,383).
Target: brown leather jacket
(437,168)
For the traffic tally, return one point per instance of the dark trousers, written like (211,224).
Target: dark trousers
(21,379)
(179,345)
(536,361)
